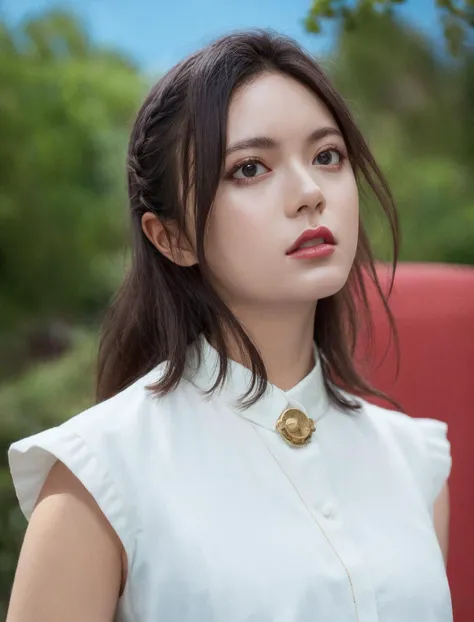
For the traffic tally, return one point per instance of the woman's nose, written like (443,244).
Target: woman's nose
(307,194)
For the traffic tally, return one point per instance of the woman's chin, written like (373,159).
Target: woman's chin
(322,283)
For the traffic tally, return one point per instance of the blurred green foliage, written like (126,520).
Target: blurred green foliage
(456,16)
(415,108)
(65,111)
(65,107)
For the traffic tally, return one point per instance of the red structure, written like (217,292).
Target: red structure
(434,309)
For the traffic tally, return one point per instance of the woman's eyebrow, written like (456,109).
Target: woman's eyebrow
(265,142)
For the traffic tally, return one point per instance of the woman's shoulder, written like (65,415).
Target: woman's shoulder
(113,416)
(131,411)
(402,427)
(102,446)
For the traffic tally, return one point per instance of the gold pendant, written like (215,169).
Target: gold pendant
(295,427)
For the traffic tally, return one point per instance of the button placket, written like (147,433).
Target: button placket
(312,481)
(306,469)
(302,484)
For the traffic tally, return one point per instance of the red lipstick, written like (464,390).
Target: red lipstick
(313,243)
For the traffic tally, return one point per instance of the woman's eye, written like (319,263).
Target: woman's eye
(329,157)
(249,169)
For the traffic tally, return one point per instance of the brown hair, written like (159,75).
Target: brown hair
(161,308)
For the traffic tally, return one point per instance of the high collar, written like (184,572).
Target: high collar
(309,395)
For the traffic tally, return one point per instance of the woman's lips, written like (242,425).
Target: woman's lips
(313,243)
(314,252)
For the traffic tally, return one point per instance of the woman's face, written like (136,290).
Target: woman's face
(295,177)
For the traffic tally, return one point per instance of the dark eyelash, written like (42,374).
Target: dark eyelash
(338,150)
(239,165)
(242,181)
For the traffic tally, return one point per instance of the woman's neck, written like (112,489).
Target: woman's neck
(285,340)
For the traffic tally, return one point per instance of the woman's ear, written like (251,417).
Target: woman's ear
(169,240)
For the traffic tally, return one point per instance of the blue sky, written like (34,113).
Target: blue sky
(157,33)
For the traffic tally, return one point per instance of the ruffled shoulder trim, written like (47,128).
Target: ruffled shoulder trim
(31,459)
(438,460)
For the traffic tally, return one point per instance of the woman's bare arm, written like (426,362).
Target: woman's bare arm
(70,565)
(441,520)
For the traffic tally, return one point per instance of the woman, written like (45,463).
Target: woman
(228,472)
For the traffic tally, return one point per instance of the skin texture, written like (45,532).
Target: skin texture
(254,224)
(72,565)
(441,520)
(297,185)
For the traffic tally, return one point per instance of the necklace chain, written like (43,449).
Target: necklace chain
(311,513)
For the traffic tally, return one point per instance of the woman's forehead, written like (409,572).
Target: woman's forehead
(275,105)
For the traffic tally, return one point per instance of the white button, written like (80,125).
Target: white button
(328,511)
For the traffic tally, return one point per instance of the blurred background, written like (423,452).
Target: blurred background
(72,75)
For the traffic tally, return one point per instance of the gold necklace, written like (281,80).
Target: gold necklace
(316,521)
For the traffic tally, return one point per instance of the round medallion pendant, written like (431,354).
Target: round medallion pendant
(295,427)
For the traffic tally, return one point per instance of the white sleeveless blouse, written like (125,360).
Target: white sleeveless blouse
(223,521)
